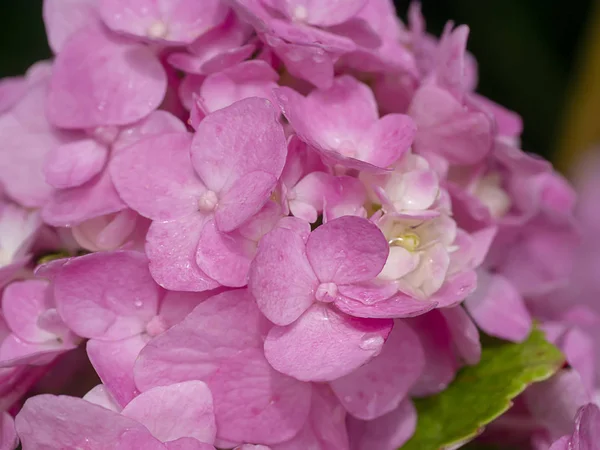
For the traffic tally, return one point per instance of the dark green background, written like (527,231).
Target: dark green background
(526,51)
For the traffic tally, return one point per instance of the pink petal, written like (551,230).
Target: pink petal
(347,250)
(176,305)
(171,248)
(235,141)
(133,439)
(248,79)
(51,422)
(64,17)
(281,278)
(107,295)
(554,402)
(244,199)
(225,257)
(113,362)
(26,140)
(73,164)
(16,352)
(253,403)
(171,21)
(326,118)
(176,411)
(325,427)
(216,50)
(388,432)
(440,363)
(188,444)
(318,13)
(396,306)
(323,344)
(156,123)
(97,197)
(8,434)
(388,140)
(99,79)
(498,308)
(446,128)
(155,177)
(379,386)
(587,428)
(464,334)
(22,304)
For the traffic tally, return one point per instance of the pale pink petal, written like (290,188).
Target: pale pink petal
(64,17)
(244,199)
(235,141)
(379,386)
(325,427)
(169,21)
(248,79)
(107,295)
(22,304)
(8,434)
(176,411)
(388,432)
(100,396)
(400,262)
(171,248)
(347,250)
(253,402)
(54,423)
(225,257)
(281,278)
(113,362)
(323,344)
(561,444)
(440,363)
(155,177)
(498,308)
(99,79)
(74,163)
(97,197)
(112,231)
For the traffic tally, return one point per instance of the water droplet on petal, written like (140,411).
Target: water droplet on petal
(371,342)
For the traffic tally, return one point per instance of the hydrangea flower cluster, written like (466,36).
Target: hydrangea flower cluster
(272,223)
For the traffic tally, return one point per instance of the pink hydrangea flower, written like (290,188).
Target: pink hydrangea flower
(201,184)
(119,308)
(34,333)
(343,124)
(179,415)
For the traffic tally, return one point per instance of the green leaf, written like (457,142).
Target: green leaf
(483,392)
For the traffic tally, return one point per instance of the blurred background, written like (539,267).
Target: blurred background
(536,57)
